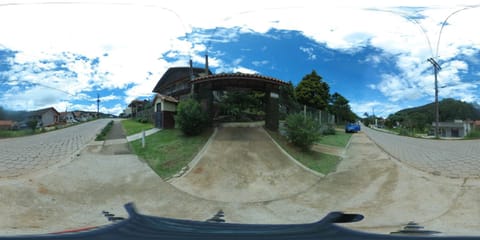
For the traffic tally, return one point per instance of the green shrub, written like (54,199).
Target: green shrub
(475,134)
(32,124)
(142,120)
(404,132)
(190,117)
(302,131)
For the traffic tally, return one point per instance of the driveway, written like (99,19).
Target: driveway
(243,164)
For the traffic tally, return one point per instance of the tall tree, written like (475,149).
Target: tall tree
(313,91)
(288,99)
(340,108)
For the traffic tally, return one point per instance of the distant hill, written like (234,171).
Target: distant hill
(449,110)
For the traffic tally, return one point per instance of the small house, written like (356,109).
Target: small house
(45,117)
(165,108)
(7,124)
(67,117)
(455,129)
(137,107)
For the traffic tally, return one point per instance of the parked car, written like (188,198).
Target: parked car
(352,127)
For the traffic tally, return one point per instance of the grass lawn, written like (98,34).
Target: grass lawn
(103,134)
(168,151)
(320,162)
(15,133)
(132,126)
(340,139)
(26,132)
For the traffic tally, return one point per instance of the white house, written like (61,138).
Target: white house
(455,129)
(68,117)
(165,108)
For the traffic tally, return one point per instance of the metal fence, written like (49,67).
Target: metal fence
(323,117)
(147,114)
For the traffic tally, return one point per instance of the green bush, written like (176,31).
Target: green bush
(404,132)
(190,117)
(302,131)
(475,134)
(142,120)
(32,124)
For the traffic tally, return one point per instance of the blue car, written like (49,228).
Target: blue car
(352,127)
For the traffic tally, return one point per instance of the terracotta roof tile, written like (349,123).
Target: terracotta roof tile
(165,98)
(6,123)
(238,75)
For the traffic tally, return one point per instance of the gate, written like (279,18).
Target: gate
(158,120)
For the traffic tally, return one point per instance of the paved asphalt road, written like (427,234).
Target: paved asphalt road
(27,154)
(450,158)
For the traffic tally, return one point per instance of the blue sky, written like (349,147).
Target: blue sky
(373,53)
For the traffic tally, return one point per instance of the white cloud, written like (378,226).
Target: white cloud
(108,98)
(32,98)
(260,63)
(116,109)
(237,61)
(244,70)
(310,52)
(142,89)
(377,108)
(130,39)
(374,59)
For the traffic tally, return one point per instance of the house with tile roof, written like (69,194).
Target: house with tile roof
(68,117)
(45,117)
(165,108)
(181,82)
(7,124)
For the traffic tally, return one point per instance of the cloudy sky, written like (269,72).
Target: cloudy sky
(64,53)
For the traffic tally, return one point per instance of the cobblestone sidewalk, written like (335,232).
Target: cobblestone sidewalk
(26,154)
(450,158)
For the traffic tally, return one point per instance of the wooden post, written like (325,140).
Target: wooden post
(304,112)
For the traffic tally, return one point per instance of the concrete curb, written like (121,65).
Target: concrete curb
(293,159)
(196,159)
(137,136)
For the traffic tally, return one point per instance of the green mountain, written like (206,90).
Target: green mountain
(423,116)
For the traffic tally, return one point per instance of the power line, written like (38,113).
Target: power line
(435,64)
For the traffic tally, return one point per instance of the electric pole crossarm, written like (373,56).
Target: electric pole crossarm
(435,64)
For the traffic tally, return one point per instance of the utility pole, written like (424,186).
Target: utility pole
(436,68)
(98,105)
(192,86)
